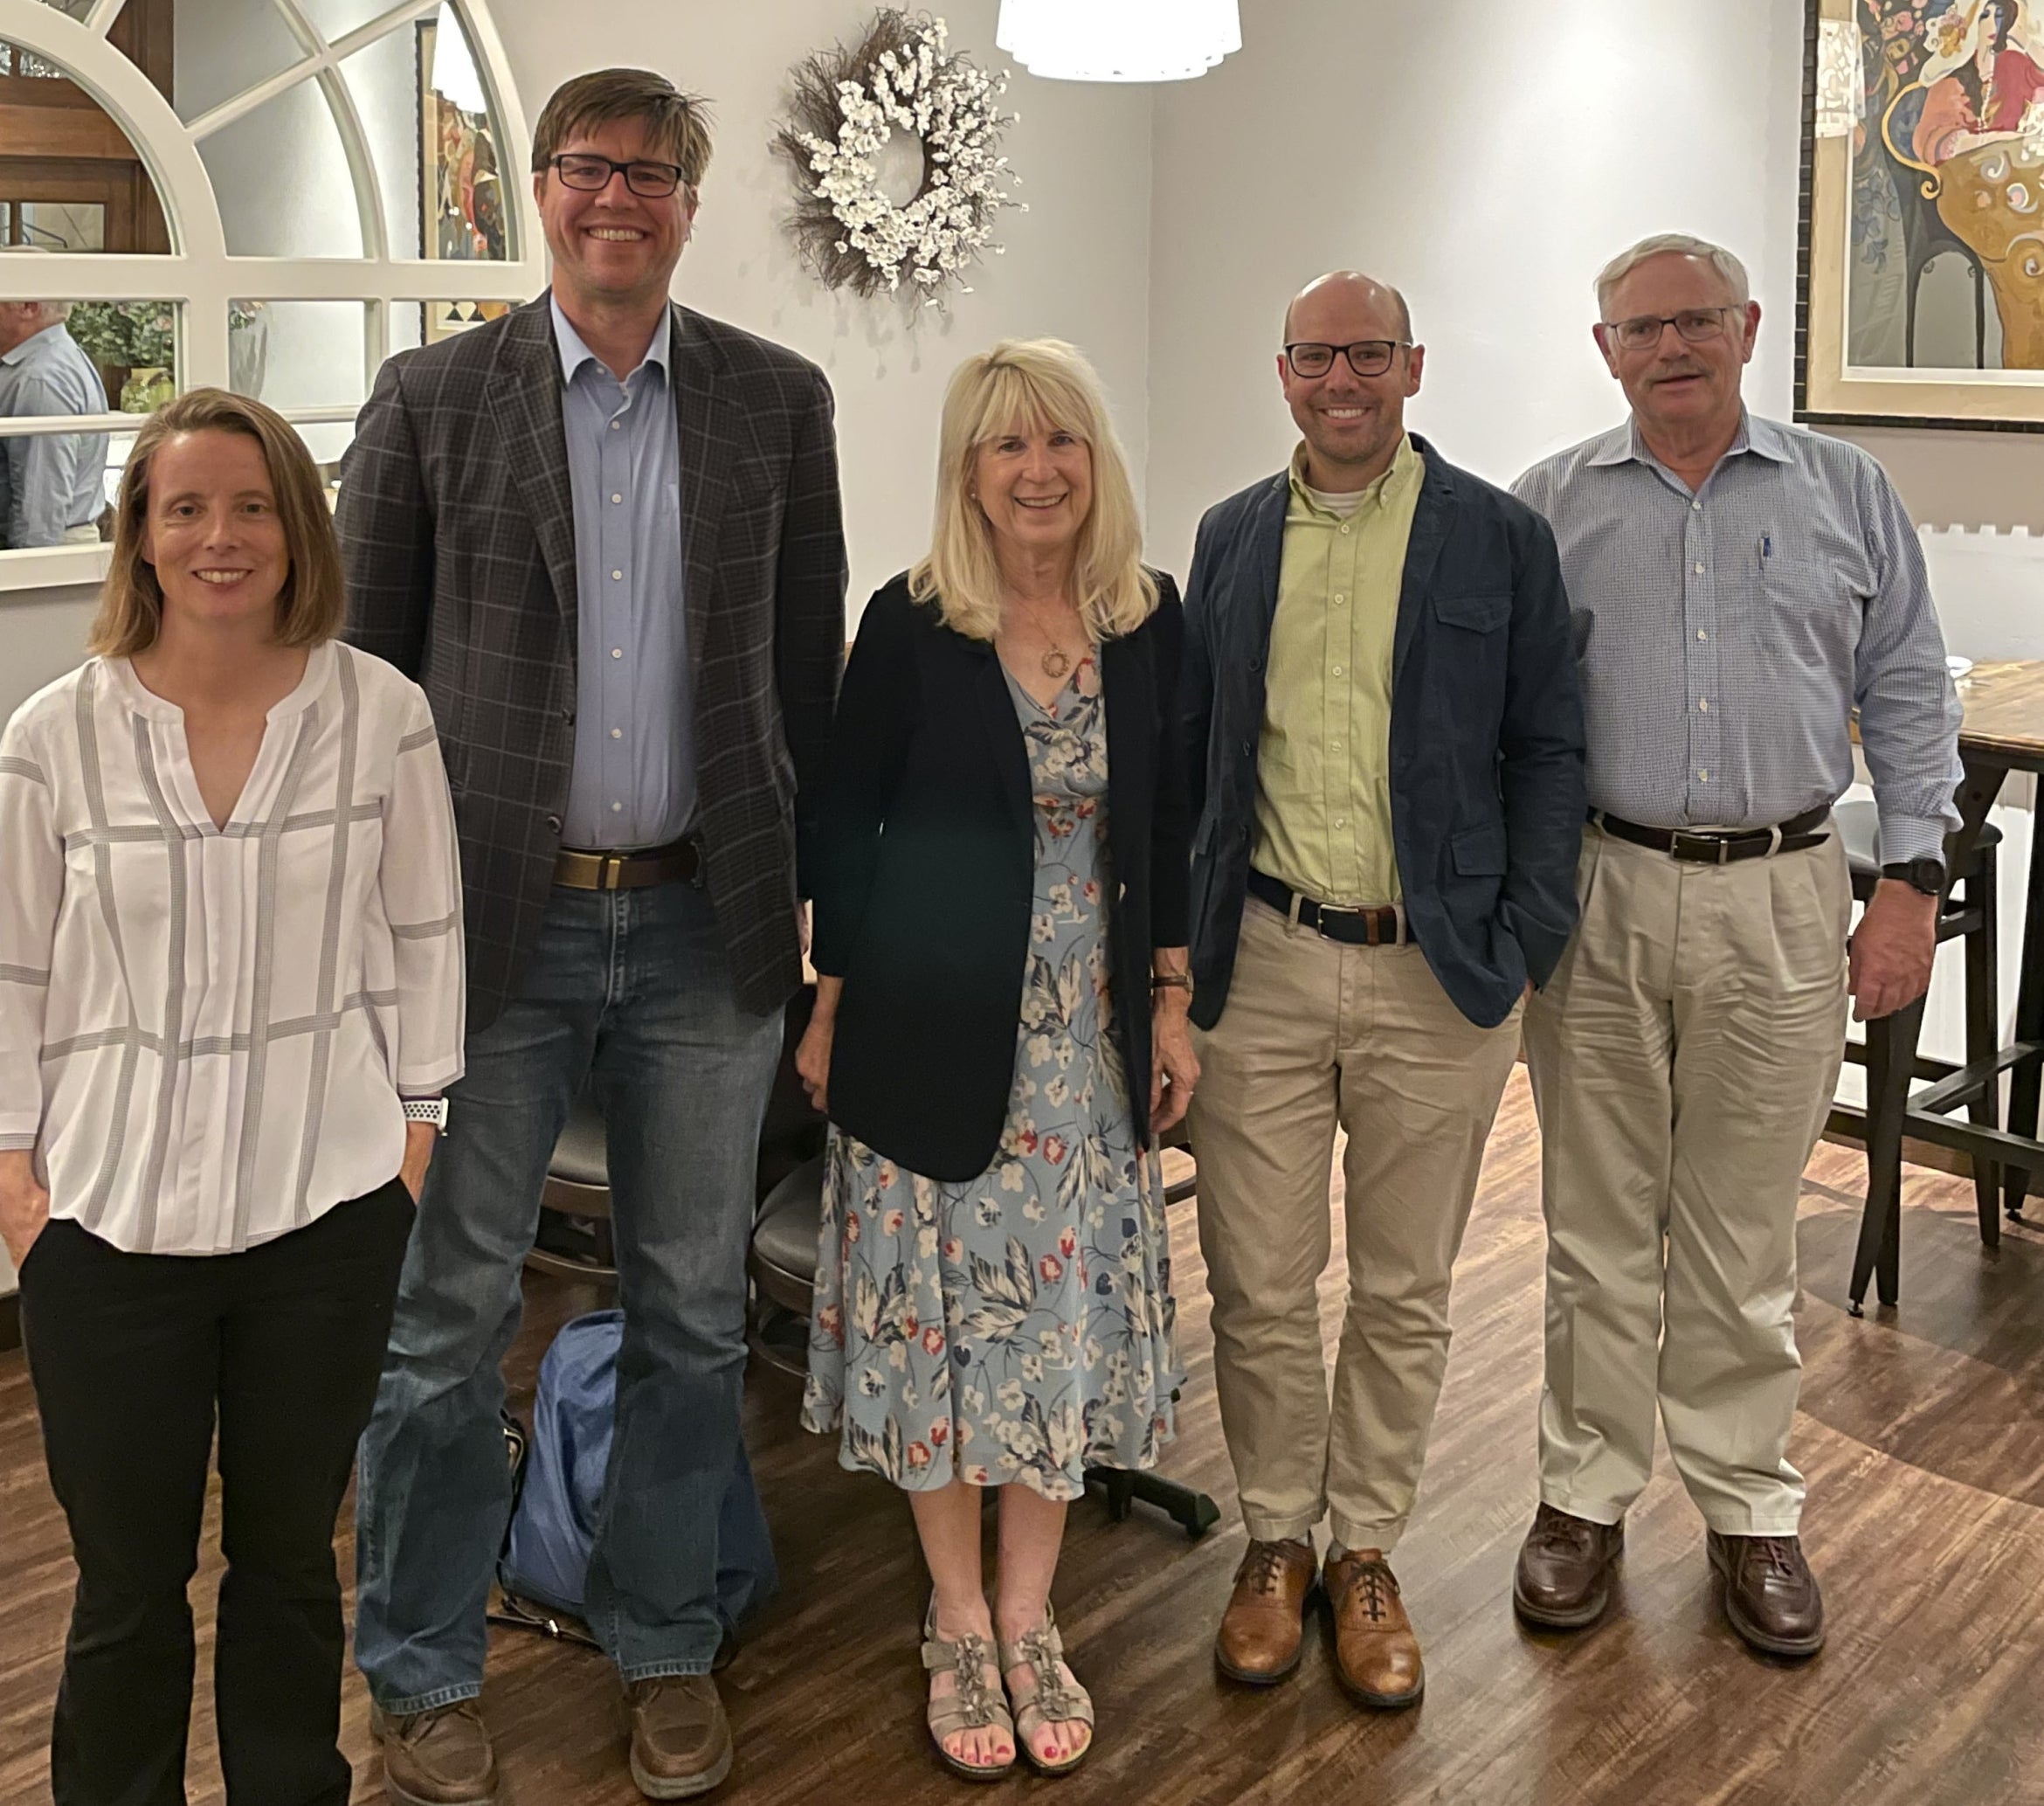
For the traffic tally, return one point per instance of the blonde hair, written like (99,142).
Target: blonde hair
(312,604)
(1019,384)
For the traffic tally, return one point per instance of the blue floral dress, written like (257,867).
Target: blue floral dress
(1019,1326)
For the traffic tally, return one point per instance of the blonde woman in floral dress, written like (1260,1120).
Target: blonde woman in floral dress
(1000,1031)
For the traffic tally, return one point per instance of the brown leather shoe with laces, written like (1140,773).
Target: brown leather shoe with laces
(680,1738)
(1263,1627)
(1563,1580)
(1376,1655)
(1770,1597)
(438,1758)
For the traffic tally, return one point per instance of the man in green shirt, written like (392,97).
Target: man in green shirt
(1387,749)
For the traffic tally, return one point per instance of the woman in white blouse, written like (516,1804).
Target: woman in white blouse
(230,994)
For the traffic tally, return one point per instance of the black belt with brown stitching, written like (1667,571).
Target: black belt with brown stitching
(1706,847)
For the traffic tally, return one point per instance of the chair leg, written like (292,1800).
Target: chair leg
(1983,1028)
(1891,1052)
(1193,1512)
(2024,1083)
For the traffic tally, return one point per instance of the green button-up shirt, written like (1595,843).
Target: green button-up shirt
(1324,818)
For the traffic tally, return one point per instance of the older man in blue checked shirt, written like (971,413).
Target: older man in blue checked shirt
(1739,587)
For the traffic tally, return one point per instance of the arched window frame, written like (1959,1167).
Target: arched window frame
(198,274)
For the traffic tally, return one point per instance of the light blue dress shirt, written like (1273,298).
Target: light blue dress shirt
(52,483)
(1724,637)
(633,777)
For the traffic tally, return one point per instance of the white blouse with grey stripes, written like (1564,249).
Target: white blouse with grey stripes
(205,1032)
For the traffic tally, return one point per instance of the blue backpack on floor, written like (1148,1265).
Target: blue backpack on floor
(560,1487)
(557,1491)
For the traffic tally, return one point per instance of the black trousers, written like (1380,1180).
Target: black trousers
(133,1356)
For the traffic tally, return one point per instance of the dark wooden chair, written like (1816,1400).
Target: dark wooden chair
(1967,912)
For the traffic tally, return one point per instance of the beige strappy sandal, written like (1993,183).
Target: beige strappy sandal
(972,1705)
(1046,1700)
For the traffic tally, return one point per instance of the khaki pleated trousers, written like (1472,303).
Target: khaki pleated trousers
(1316,1036)
(1684,1058)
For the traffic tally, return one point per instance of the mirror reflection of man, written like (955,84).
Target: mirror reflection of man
(52,484)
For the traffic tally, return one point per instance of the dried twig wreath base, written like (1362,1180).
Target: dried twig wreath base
(847,105)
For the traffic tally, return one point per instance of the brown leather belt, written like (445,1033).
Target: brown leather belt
(1383,925)
(1698,847)
(628,871)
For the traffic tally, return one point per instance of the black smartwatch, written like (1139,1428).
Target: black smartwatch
(1925,874)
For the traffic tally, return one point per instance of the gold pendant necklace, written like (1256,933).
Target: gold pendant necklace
(1056,662)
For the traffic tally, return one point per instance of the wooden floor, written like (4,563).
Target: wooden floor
(1922,1435)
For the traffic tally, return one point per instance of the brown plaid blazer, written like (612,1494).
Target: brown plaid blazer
(458,531)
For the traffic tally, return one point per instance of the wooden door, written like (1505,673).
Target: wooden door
(63,150)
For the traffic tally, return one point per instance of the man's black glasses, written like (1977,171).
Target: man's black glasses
(592,174)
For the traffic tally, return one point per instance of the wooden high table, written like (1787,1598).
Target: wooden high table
(2002,731)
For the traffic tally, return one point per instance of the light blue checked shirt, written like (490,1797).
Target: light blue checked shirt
(1725,637)
(50,484)
(632,783)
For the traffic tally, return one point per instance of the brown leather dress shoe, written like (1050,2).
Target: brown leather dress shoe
(439,1758)
(1263,1626)
(680,1738)
(1562,1581)
(1376,1655)
(1770,1597)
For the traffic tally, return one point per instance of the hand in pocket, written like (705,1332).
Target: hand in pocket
(24,1204)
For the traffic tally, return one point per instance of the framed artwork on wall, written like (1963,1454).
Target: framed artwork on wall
(1920,277)
(461,200)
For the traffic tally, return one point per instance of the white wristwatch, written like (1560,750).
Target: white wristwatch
(427,1110)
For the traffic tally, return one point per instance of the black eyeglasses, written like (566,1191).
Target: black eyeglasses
(1367,357)
(1643,331)
(592,175)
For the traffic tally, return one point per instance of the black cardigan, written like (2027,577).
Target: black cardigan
(927,869)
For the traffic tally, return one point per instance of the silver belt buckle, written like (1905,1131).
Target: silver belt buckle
(1327,910)
(1716,849)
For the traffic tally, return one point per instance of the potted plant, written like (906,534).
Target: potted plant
(134,344)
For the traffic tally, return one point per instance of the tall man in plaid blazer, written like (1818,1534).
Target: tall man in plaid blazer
(605,534)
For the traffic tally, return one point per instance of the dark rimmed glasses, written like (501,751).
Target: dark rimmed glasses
(1642,332)
(1367,357)
(591,173)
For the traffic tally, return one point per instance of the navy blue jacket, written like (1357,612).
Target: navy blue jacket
(1487,786)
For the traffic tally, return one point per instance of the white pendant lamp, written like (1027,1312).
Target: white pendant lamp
(1119,40)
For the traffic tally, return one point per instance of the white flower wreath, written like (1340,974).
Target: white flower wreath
(848,107)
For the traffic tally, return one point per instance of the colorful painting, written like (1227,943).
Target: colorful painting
(462,204)
(1923,231)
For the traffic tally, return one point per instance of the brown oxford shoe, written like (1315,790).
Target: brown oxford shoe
(1562,1581)
(680,1738)
(1262,1631)
(1770,1597)
(1376,1655)
(438,1758)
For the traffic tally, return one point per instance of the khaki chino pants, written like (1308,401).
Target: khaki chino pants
(1683,1059)
(1317,1034)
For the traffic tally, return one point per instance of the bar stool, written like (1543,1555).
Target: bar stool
(1966,911)
(575,1236)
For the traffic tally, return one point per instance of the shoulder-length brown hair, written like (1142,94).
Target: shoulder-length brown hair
(313,603)
(1019,384)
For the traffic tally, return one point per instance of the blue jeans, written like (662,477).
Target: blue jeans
(629,990)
